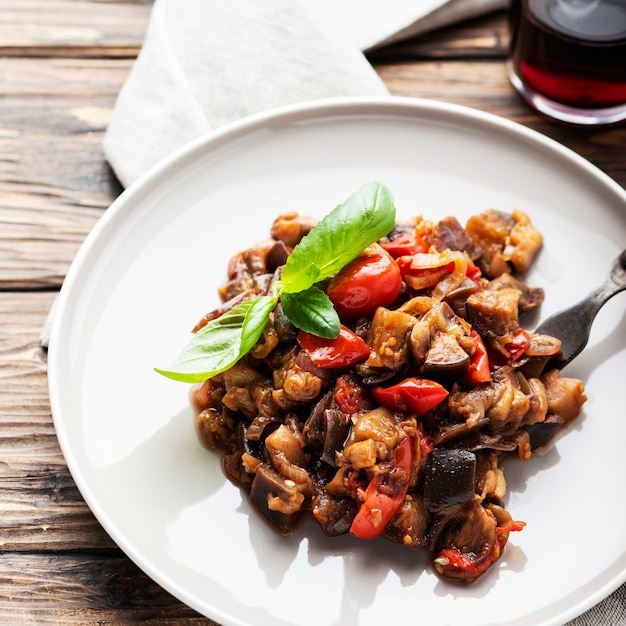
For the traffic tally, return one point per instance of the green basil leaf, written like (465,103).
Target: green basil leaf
(222,342)
(365,217)
(312,311)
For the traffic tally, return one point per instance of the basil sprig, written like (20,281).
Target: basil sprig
(365,217)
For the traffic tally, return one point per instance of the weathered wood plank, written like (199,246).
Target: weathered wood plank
(73,27)
(54,179)
(40,505)
(87,588)
(483,37)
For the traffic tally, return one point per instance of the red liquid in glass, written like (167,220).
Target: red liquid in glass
(571,51)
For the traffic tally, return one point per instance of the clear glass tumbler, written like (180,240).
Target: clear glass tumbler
(567,58)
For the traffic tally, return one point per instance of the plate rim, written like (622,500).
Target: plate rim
(180,159)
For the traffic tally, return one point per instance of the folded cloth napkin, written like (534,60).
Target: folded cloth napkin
(205,63)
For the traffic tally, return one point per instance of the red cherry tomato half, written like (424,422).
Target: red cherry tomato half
(414,395)
(348,349)
(373,279)
(379,506)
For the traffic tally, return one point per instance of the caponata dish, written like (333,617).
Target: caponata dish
(373,373)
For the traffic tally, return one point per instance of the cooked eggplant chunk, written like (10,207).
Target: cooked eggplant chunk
(278,499)
(449,478)
(445,358)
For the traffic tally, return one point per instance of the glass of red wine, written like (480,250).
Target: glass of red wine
(567,58)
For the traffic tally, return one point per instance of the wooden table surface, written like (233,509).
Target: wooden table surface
(62,63)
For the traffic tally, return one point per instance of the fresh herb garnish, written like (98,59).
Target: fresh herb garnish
(365,217)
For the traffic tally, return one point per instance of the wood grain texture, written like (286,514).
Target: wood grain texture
(54,179)
(63,63)
(85,588)
(64,28)
(40,507)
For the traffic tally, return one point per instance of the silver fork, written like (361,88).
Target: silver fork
(573,325)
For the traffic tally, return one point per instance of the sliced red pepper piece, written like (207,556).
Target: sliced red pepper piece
(518,346)
(412,395)
(407,244)
(478,370)
(515,349)
(346,350)
(474,273)
(378,508)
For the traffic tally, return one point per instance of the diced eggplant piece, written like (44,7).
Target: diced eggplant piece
(278,499)
(445,359)
(473,537)
(378,424)
(291,227)
(490,230)
(276,256)
(213,427)
(419,342)
(506,241)
(337,429)
(541,432)
(494,314)
(409,526)
(530,298)
(566,396)
(315,426)
(388,338)
(525,240)
(458,296)
(333,513)
(240,445)
(439,325)
(449,478)
(283,446)
(450,235)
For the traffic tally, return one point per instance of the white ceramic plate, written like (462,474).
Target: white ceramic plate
(150,269)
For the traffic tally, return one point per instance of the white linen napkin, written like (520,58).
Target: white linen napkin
(205,63)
